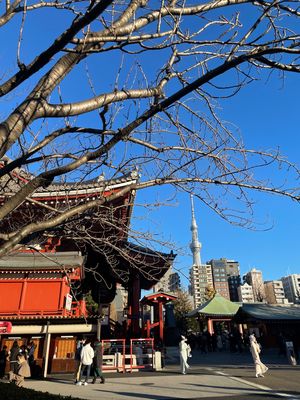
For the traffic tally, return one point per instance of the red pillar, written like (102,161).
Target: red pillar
(148,328)
(134,306)
(210,326)
(161,321)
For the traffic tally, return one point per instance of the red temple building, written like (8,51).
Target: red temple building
(43,286)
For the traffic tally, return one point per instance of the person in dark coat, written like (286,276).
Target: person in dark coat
(77,357)
(24,351)
(202,339)
(13,354)
(3,358)
(30,353)
(97,362)
(23,371)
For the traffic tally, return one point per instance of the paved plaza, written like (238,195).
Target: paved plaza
(193,386)
(211,376)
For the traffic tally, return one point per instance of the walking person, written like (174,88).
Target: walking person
(184,353)
(3,358)
(13,353)
(77,358)
(97,362)
(86,358)
(23,371)
(260,368)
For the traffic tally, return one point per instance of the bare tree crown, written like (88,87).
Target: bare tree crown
(136,84)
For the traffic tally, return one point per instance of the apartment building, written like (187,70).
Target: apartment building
(200,278)
(291,286)
(255,278)
(275,292)
(170,282)
(245,293)
(224,270)
(219,274)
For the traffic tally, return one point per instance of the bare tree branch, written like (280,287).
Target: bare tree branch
(147,97)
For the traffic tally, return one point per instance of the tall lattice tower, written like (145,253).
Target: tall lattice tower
(200,274)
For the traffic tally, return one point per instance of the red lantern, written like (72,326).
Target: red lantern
(5,327)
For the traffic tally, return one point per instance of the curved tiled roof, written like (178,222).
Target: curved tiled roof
(151,264)
(160,296)
(87,187)
(271,312)
(11,183)
(217,306)
(40,261)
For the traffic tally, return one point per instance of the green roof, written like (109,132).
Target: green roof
(217,306)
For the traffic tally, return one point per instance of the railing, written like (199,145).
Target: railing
(119,357)
(113,355)
(141,354)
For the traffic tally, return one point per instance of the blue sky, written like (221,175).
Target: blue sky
(266,113)
(268,116)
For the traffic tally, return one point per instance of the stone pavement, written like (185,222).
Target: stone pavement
(164,387)
(207,379)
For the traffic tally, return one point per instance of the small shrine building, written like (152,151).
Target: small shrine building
(217,309)
(156,323)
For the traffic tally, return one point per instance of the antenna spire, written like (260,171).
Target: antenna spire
(195,245)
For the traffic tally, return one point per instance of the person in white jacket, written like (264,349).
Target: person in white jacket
(184,353)
(260,368)
(86,358)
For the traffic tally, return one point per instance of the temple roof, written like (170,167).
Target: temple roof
(151,265)
(60,196)
(270,312)
(163,297)
(40,261)
(217,306)
(12,182)
(130,259)
(86,187)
